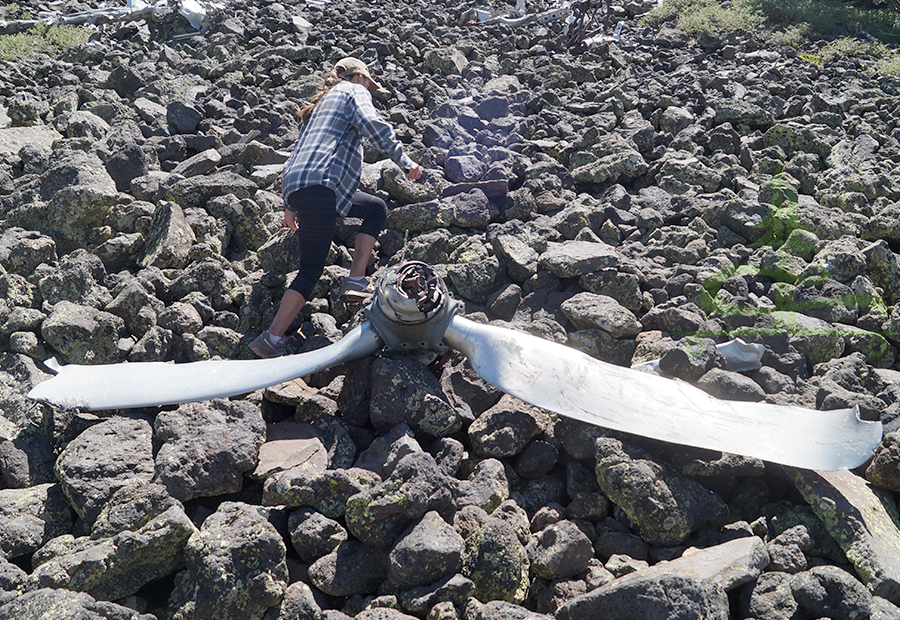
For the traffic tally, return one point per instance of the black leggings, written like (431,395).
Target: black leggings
(316,209)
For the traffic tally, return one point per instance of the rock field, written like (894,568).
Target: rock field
(638,199)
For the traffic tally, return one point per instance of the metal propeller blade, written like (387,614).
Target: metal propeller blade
(413,313)
(148,384)
(577,386)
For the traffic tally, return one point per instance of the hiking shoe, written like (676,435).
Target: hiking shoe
(265,348)
(355,290)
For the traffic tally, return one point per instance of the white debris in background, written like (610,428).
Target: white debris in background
(740,356)
(197,12)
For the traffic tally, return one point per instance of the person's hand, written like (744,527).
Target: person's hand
(290,219)
(414,173)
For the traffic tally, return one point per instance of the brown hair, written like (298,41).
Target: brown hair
(331,78)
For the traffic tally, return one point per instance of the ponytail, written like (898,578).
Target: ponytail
(331,78)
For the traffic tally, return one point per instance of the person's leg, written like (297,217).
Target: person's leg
(291,304)
(373,211)
(362,250)
(315,208)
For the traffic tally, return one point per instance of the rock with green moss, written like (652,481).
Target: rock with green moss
(795,137)
(137,307)
(196,191)
(447,61)
(82,334)
(476,280)
(327,491)
(404,391)
(30,517)
(169,239)
(520,258)
(864,522)
(416,485)
(61,604)
(12,580)
(23,250)
(614,159)
(246,217)
(236,566)
(16,291)
(815,338)
(494,558)
(131,508)
(664,506)
(76,194)
(116,567)
(883,267)
(77,279)
(487,487)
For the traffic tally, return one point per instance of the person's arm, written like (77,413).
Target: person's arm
(382,134)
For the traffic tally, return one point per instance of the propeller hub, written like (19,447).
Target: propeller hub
(411,309)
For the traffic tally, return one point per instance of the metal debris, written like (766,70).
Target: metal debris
(584,25)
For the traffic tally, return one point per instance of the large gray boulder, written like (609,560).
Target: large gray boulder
(23,250)
(116,567)
(236,567)
(207,447)
(692,587)
(430,550)
(31,517)
(561,550)
(170,238)
(664,506)
(416,485)
(82,334)
(352,568)
(863,520)
(67,605)
(77,279)
(404,391)
(103,459)
(76,192)
(326,491)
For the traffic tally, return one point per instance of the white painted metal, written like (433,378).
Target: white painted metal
(148,384)
(575,385)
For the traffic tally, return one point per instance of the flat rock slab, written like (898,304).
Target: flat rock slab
(14,138)
(728,565)
(863,520)
(290,445)
(690,586)
(576,258)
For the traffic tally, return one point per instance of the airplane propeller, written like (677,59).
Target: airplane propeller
(412,313)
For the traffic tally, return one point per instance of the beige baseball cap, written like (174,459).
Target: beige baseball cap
(350,66)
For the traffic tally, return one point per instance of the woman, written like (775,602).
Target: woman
(320,182)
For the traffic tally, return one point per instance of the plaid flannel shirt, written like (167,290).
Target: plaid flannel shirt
(329,151)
